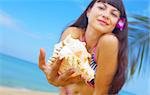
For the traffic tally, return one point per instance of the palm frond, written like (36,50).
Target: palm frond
(139,38)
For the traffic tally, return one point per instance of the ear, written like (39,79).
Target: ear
(88,12)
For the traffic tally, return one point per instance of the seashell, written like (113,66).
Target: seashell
(74,55)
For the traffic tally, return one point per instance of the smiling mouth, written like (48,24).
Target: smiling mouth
(103,22)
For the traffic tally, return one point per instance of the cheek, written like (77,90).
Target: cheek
(91,18)
(114,23)
(94,13)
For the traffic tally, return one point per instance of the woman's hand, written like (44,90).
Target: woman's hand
(51,72)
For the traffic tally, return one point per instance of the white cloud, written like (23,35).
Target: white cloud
(9,22)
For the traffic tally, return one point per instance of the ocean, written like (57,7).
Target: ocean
(17,73)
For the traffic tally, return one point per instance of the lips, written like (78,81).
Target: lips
(102,22)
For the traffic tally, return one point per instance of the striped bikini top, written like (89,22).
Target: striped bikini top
(93,65)
(93,60)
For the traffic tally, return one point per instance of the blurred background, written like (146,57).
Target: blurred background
(28,25)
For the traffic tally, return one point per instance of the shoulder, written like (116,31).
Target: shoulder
(108,41)
(74,31)
(108,46)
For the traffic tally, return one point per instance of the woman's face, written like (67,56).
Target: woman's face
(103,17)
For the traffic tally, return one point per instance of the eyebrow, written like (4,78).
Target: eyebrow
(98,1)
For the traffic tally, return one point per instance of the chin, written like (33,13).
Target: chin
(102,29)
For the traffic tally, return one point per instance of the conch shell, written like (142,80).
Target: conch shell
(75,55)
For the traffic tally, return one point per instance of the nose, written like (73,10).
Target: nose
(105,15)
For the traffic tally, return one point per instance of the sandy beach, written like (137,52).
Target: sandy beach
(15,91)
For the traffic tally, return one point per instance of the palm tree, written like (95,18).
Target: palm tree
(139,44)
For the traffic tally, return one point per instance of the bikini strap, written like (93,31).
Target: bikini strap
(94,52)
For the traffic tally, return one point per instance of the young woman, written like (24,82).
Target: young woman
(104,28)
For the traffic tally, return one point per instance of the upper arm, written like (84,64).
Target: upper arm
(107,55)
(74,31)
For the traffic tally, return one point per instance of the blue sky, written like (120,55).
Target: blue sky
(28,25)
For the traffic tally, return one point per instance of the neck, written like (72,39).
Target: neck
(91,37)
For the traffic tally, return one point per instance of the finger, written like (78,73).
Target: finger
(41,62)
(75,79)
(66,75)
(57,64)
(55,68)
(72,80)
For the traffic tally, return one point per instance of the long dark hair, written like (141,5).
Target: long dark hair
(122,35)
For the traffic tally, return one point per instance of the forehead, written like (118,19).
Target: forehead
(116,3)
(106,5)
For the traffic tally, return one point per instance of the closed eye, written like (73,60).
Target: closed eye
(101,8)
(114,14)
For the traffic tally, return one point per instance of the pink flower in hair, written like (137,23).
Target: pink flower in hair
(121,23)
